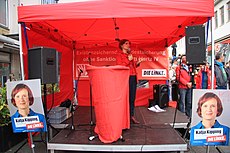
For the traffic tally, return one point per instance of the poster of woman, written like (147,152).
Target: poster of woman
(210,117)
(26,107)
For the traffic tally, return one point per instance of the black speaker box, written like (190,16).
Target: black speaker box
(161,95)
(43,64)
(195,44)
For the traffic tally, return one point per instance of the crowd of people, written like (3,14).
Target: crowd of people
(199,77)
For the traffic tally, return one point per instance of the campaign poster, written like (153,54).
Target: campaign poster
(26,107)
(210,118)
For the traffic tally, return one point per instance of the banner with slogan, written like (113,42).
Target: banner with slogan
(154,65)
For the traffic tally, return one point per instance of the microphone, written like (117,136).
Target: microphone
(129,51)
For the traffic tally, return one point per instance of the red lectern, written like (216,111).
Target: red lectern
(110,95)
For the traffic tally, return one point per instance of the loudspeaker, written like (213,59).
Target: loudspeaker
(161,95)
(195,44)
(43,64)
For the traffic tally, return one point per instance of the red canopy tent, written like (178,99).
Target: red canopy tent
(93,24)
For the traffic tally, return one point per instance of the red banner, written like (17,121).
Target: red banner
(154,64)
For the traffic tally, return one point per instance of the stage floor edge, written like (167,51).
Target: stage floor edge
(117,148)
(150,135)
(137,139)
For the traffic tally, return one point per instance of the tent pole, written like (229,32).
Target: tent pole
(23,77)
(21,53)
(75,100)
(212,51)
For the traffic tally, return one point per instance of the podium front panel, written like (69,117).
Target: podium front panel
(110,95)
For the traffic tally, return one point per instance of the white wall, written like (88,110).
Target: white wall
(13,16)
(221,30)
(67,1)
(29,2)
(13,12)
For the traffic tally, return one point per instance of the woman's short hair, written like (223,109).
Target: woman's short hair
(207,96)
(121,42)
(18,88)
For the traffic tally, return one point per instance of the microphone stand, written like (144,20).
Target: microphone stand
(193,87)
(91,124)
(177,92)
(91,101)
(72,107)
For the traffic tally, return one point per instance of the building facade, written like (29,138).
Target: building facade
(9,37)
(221,31)
(9,45)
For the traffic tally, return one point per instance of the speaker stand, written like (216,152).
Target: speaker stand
(189,118)
(72,127)
(193,87)
(47,136)
(45,110)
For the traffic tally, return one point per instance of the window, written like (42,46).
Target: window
(3,13)
(222,15)
(49,1)
(228,10)
(216,19)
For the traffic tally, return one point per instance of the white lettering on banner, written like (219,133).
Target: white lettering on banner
(216,139)
(106,59)
(154,72)
(87,59)
(146,59)
(34,126)
(149,52)
(204,133)
(114,52)
(98,52)
(22,121)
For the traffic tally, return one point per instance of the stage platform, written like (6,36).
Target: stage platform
(154,133)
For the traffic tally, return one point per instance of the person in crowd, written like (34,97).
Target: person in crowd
(220,72)
(203,77)
(170,61)
(185,87)
(22,98)
(172,73)
(125,58)
(178,59)
(209,107)
(227,69)
(172,78)
(11,77)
